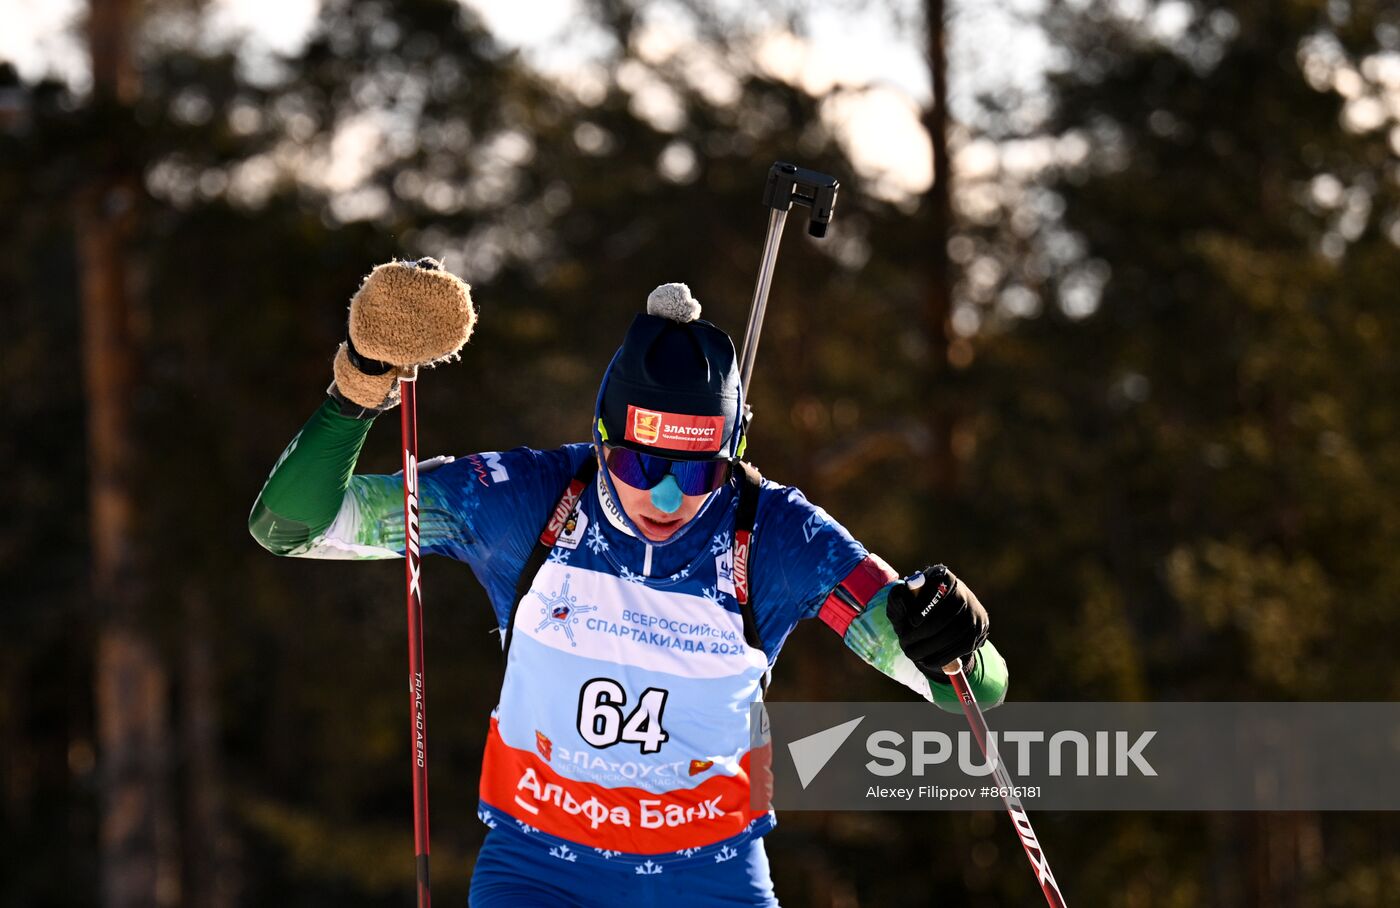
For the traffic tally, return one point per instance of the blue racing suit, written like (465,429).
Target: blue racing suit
(620,747)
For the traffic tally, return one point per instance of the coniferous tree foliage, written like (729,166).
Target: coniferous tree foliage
(1170,362)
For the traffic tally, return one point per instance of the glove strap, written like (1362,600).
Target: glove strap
(364,364)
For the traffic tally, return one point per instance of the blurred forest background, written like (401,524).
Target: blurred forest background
(1127,364)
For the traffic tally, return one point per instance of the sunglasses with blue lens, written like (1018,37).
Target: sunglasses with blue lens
(646,471)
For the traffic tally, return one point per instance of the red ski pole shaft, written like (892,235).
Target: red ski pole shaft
(413,566)
(1034,853)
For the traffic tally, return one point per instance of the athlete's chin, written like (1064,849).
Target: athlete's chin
(658,530)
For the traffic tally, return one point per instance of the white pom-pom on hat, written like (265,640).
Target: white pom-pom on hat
(673,301)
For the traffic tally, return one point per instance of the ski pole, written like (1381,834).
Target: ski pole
(787,185)
(1005,784)
(1034,853)
(408,422)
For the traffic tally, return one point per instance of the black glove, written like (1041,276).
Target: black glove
(938,623)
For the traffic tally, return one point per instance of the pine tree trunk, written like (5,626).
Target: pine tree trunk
(136,835)
(938,225)
(209,852)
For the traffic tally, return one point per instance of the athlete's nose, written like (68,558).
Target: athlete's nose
(666,495)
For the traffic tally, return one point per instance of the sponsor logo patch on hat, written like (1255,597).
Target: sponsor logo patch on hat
(676,431)
(646,426)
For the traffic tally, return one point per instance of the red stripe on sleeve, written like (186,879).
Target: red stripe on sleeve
(850,597)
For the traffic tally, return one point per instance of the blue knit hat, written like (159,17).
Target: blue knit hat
(672,388)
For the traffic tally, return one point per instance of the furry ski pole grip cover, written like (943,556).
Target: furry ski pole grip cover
(411,314)
(405,314)
(373,392)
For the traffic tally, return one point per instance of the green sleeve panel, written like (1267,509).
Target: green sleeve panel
(315,506)
(872,638)
(303,496)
